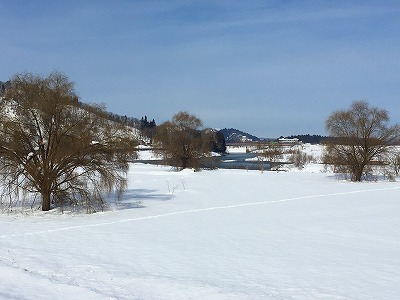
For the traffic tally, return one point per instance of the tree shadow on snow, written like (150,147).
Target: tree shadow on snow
(366,178)
(136,198)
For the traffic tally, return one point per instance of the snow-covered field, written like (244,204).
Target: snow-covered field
(225,234)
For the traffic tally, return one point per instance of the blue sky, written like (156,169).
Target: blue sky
(269,68)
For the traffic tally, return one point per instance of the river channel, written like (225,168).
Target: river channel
(246,161)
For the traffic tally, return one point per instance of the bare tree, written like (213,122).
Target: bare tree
(300,159)
(53,149)
(271,154)
(392,168)
(181,141)
(360,137)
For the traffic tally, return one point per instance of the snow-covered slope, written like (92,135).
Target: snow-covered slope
(234,136)
(226,234)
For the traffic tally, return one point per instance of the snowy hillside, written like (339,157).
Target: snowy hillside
(225,234)
(233,136)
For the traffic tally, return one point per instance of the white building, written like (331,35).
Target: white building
(289,141)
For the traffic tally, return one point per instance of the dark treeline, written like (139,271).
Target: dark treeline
(147,128)
(128,121)
(307,138)
(145,124)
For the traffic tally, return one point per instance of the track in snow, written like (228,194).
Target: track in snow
(195,211)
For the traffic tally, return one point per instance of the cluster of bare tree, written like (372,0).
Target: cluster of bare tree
(55,152)
(276,155)
(270,153)
(361,143)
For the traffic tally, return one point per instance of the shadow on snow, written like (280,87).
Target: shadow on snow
(136,198)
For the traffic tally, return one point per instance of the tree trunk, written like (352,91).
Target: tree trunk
(358,174)
(184,162)
(45,201)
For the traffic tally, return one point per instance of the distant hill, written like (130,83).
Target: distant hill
(235,136)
